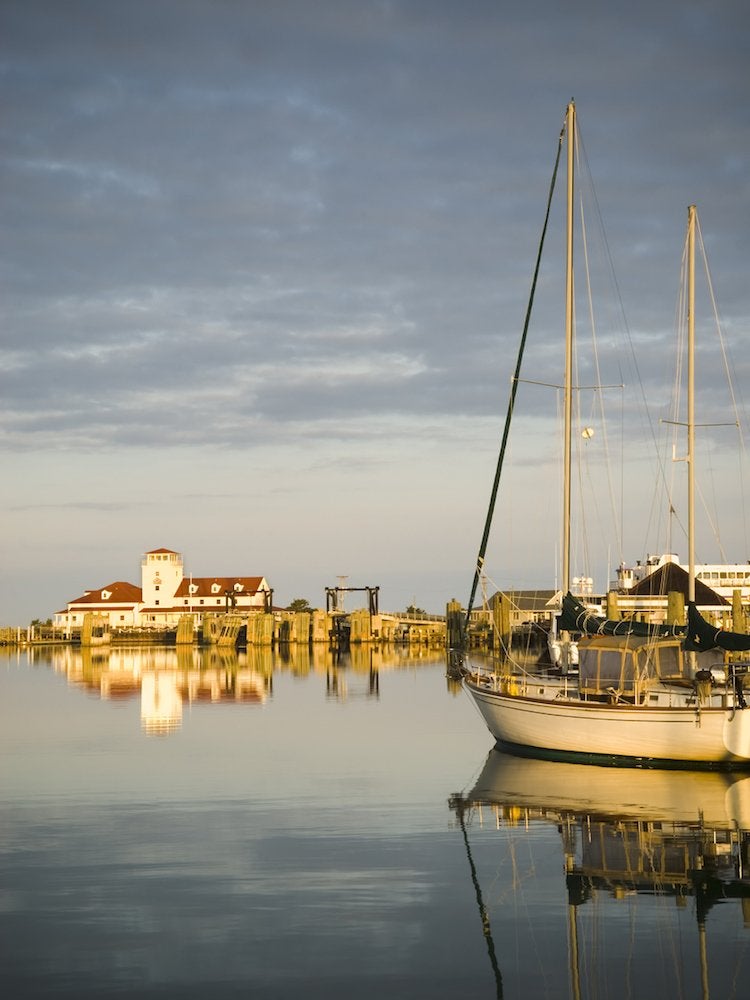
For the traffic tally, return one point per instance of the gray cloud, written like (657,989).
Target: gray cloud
(242,225)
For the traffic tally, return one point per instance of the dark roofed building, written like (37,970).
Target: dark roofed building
(672,578)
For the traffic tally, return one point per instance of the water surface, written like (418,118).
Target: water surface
(271,826)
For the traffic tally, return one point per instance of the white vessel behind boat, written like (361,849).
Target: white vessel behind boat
(723,578)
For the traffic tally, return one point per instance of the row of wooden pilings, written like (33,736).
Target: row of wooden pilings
(493,627)
(484,628)
(255,629)
(312,627)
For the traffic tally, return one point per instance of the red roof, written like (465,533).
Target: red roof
(119,593)
(169,552)
(202,585)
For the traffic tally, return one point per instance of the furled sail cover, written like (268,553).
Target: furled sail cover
(702,635)
(575,618)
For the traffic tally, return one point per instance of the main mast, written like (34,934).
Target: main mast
(691,403)
(568,387)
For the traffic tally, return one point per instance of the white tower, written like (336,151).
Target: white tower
(161,575)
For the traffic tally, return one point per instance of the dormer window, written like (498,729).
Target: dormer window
(193,588)
(215,588)
(238,586)
(106,594)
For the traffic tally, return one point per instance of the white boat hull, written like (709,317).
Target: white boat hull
(594,730)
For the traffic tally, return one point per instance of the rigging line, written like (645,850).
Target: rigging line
(713,525)
(581,539)
(597,367)
(583,532)
(728,373)
(680,324)
(682,311)
(722,343)
(633,358)
(513,391)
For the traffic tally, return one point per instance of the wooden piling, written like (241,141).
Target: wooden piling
(95,629)
(320,626)
(739,620)
(613,606)
(185,631)
(454,623)
(294,628)
(230,627)
(675,608)
(302,628)
(211,629)
(361,626)
(260,629)
(500,608)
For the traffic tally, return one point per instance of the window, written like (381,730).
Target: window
(202,601)
(156,587)
(156,602)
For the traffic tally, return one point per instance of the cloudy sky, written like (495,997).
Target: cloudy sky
(265,266)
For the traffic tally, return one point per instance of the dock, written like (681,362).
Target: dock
(276,629)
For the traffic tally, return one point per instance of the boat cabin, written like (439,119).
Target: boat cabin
(608,666)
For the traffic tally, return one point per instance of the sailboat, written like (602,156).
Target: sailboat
(650,696)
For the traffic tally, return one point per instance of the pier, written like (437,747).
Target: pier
(336,628)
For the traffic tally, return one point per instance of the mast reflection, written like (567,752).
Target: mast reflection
(624,833)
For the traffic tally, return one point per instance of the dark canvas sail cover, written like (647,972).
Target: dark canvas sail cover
(702,635)
(575,618)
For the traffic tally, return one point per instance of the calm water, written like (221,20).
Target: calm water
(208,826)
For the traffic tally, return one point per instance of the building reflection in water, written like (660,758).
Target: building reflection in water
(168,678)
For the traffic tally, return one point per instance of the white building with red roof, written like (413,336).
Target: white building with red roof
(165,594)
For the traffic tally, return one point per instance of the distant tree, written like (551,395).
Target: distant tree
(299,604)
(414,610)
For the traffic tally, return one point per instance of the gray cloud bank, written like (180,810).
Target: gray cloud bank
(224,219)
(264,267)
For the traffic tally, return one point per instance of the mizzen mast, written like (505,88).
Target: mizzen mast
(568,387)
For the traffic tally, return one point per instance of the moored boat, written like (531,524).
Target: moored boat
(641,694)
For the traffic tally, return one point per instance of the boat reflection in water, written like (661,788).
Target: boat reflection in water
(166,679)
(625,834)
